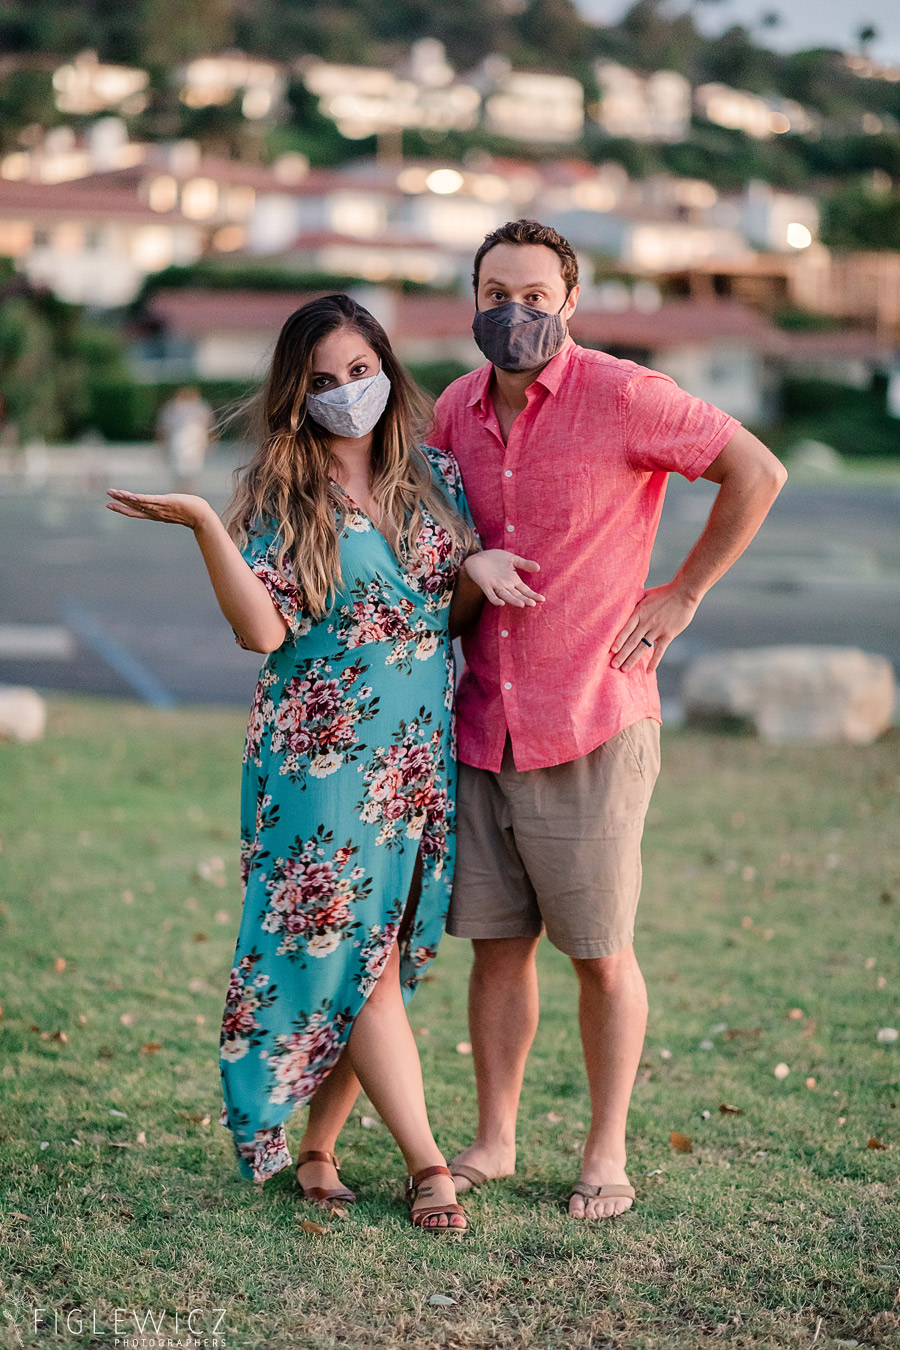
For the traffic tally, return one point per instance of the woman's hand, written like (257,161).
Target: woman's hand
(494,571)
(175,508)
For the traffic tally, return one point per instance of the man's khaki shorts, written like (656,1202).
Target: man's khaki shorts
(558,847)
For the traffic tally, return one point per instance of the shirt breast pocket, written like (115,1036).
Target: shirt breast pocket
(556,497)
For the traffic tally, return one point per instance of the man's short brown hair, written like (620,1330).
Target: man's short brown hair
(530,232)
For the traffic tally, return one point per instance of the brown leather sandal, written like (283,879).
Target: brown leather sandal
(318,1195)
(612,1191)
(417,1215)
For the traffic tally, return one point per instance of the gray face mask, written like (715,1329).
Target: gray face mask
(517,337)
(351,409)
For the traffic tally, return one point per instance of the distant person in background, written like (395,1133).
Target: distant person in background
(348,559)
(184,427)
(565,453)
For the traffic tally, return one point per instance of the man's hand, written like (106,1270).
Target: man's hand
(662,614)
(496,572)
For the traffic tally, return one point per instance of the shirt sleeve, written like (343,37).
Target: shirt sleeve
(260,552)
(667,428)
(446,473)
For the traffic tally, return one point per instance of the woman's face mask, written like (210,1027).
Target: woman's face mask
(517,337)
(351,409)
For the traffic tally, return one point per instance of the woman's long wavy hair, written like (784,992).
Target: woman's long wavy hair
(288,482)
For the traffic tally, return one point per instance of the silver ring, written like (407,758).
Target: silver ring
(646,643)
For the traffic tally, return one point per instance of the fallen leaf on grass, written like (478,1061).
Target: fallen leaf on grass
(197,985)
(869,963)
(875,1143)
(114,1112)
(118,1143)
(128,897)
(880,982)
(211,869)
(338,1211)
(142,1138)
(200,937)
(665,1054)
(150,1046)
(554,1117)
(194,1117)
(59,964)
(309,1226)
(887,1035)
(421,1031)
(463,1048)
(82,1020)
(680,1142)
(795,1015)
(55,1036)
(369,1123)
(781,1070)
(810,1082)
(45,1144)
(727,1110)
(222,916)
(734,1033)
(127,1019)
(442,1301)
(707,1045)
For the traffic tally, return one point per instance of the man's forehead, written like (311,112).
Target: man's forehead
(529,264)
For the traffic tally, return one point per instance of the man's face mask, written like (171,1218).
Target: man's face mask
(351,409)
(518,337)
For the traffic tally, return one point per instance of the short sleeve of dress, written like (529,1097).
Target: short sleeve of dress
(667,428)
(445,472)
(260,553)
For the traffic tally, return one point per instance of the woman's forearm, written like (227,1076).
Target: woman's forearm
(465,605)
(242,596)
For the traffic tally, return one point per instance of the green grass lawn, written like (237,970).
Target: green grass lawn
(771,885)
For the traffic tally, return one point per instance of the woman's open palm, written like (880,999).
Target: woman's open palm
(174,508)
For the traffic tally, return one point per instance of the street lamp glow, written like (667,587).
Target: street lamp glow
(444,181)
(798,236)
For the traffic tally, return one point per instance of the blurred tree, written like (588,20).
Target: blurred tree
(857,217)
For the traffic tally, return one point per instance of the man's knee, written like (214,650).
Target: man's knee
(496,958)
(609,974)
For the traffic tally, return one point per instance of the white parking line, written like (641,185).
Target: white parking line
(36,642)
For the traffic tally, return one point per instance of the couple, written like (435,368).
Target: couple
(353,552)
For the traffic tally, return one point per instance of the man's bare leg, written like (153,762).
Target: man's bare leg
(612,1014)
(503,1017)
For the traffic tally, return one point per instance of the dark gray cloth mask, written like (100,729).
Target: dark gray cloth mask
(518,337)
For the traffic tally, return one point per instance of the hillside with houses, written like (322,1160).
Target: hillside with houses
(171,188)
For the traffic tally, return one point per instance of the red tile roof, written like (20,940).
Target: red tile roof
(74,199)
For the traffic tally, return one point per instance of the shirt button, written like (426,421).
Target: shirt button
(507,685)
(504,632)
(509,473)
(510,528)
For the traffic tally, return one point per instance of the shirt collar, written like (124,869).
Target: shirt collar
(550,377)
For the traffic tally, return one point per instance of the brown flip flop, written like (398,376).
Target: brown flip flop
(318,1195)
(612,1191)
(472,1174)
(413,1183)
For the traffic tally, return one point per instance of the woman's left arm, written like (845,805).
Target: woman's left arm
(490,574)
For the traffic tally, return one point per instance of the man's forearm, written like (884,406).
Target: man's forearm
(742,503)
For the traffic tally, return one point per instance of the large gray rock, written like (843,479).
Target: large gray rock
(824,695)
(23,714)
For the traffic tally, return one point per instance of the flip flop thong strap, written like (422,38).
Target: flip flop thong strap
(470,1173)
(610,1192)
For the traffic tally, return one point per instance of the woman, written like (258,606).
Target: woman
(347,548)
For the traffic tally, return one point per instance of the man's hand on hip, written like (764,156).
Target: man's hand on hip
(663,613)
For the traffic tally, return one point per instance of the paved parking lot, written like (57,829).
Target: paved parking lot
(95,603)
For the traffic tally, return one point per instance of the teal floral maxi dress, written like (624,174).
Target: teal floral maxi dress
(349,773)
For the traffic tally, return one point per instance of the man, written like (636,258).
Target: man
(564,455)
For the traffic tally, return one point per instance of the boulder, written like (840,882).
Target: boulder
(818,695)
(23,714)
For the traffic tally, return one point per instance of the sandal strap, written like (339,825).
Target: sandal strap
(318,1194)
(317,1155)
(612,1190)
(418,1215)
(414,1182)
(470,1173)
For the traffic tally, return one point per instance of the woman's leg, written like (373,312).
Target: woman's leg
(328,1112)
(384,1054)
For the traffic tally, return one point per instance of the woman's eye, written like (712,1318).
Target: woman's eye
(357,371)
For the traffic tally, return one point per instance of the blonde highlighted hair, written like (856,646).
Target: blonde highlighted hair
(288,480)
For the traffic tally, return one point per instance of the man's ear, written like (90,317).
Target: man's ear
(572,302)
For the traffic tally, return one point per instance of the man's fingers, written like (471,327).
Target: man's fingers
(525,564)
(626,632)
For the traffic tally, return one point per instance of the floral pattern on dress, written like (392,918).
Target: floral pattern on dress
(348,779)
